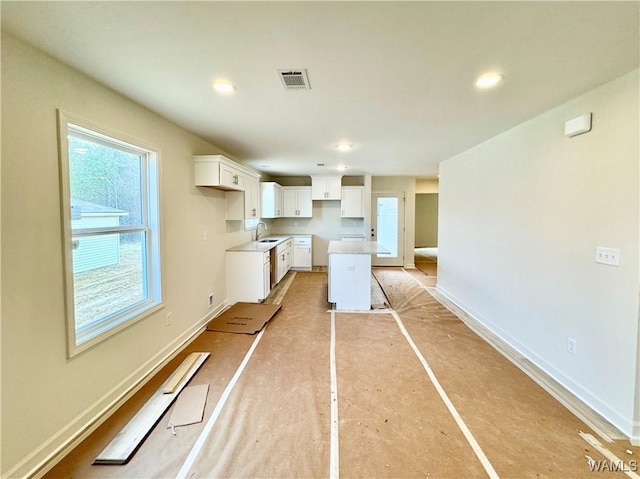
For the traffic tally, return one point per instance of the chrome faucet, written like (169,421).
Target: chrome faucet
(258,226)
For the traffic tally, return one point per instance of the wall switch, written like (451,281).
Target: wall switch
(205,235)
(211,300)
(571,345)
(608,256)
(168,323)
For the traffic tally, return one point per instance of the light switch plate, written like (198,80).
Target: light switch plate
(610,256)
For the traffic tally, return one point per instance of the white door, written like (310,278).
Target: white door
(387,227)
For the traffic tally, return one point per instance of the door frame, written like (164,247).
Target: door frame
(396,260)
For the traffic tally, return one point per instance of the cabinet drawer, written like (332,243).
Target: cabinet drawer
(302,241)
(283,246)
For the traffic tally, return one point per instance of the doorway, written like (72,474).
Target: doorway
(426,233)
(387,227)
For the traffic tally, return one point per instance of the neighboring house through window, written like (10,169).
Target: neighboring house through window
(111,230)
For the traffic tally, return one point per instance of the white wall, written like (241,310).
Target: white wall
(520,217)
(46,398)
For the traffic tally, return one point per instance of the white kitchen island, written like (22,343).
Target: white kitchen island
(349,272)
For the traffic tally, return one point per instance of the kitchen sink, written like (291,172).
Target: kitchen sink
(268,240)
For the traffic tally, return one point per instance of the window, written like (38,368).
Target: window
(111,231)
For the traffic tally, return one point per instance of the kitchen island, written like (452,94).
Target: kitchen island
(349,273)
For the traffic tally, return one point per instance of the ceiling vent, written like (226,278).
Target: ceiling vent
(294,79)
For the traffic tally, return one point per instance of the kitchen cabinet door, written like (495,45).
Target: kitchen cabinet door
(271,200)
(302,257)
(296,202)
(230,177)
(305,204)
(326,187)
(289,202)
(352,205)
(251,198)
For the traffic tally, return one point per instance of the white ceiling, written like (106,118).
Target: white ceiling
(395,79)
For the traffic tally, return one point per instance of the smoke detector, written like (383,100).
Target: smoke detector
(294,79)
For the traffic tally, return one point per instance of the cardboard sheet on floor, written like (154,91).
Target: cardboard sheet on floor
(244,318)
(189,407)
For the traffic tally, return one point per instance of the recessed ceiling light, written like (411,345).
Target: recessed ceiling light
(224,87)
(341,167)
(489,80)
(344,147)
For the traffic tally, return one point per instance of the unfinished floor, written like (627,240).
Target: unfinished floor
(404,392)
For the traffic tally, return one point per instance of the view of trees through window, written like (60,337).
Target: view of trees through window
(106,188)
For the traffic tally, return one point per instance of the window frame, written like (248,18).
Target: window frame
(150,228)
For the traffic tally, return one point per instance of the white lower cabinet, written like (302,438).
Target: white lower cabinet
(282,260)
(248,276)
(302,253)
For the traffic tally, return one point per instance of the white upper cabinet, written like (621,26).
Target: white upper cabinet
(251,198)
(220,172)
(242,191)
(271,199)
(326,187)
(352,205)
(296,202)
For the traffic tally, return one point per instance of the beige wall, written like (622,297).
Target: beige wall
(520,218)
(426,186)
(426,220)
(47,398)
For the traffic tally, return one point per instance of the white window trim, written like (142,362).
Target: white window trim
(119,322)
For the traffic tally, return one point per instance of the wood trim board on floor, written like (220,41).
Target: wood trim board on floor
(128,440)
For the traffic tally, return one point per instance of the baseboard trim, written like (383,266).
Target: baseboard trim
(54,449)
(635,439)
(592,418)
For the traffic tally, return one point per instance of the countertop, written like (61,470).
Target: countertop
(257,246)
(355,247)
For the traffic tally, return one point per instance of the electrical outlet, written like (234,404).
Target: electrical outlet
(211,300)
(608,256)
(571,345)
(168,323)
